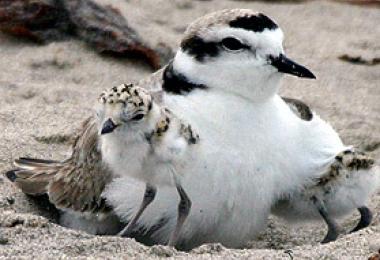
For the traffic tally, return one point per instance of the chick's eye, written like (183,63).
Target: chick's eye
(137,117)
(232,44)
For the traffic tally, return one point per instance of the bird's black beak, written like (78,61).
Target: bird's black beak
(108,127)
(285,65)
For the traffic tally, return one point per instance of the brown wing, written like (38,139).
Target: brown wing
(302,110)
(76,183)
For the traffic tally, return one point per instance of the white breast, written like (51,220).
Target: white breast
(124,152)
(264,138)
(247,155)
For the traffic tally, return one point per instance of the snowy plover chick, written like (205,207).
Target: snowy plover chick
(345,185)
(73,185)
(142,140)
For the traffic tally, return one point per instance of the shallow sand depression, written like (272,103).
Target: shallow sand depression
(46,91)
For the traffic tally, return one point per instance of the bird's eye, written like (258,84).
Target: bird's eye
(232,44)
(137,117)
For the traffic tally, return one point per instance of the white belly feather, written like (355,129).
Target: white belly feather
(272,151)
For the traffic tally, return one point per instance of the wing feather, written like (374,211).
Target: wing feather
(76,183)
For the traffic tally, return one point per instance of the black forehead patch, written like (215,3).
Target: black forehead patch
(199,49)
(256,23)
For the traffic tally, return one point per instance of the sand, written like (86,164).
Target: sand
(46,91)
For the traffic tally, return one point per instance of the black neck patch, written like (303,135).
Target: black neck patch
(256,23)
(177,83)
(199,49)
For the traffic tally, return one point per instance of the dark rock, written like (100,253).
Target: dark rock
(40,21)
(102,27)
(106,30)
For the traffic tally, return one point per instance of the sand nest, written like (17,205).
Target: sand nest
(46,91)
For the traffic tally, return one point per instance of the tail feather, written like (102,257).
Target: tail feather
(32,176)
(34,160)
(31,163)
(11,175)
(32,187)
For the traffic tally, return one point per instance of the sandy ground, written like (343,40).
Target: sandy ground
(47,90)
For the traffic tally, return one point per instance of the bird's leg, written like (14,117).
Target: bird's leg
(183,211)
(150,193)
(365,218)
(333,228)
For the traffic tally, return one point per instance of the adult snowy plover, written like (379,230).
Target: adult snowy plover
(256,147)
(147,142)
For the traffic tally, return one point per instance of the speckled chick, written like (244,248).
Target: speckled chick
(147,142)
(346,185)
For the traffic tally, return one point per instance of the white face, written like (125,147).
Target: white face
(242,64)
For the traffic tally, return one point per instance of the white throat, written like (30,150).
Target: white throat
(128,145)
(255,83)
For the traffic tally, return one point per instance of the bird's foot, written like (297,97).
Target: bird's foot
(126,232)
(331,235)
(366,217)
(332,225)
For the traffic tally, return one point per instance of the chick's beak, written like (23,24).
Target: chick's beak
(108,127)
(286,65)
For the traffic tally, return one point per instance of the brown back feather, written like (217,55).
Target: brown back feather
(302,110)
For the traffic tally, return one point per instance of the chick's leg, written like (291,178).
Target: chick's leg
(149,195)
(366,217)
(333,228)
(184,207)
